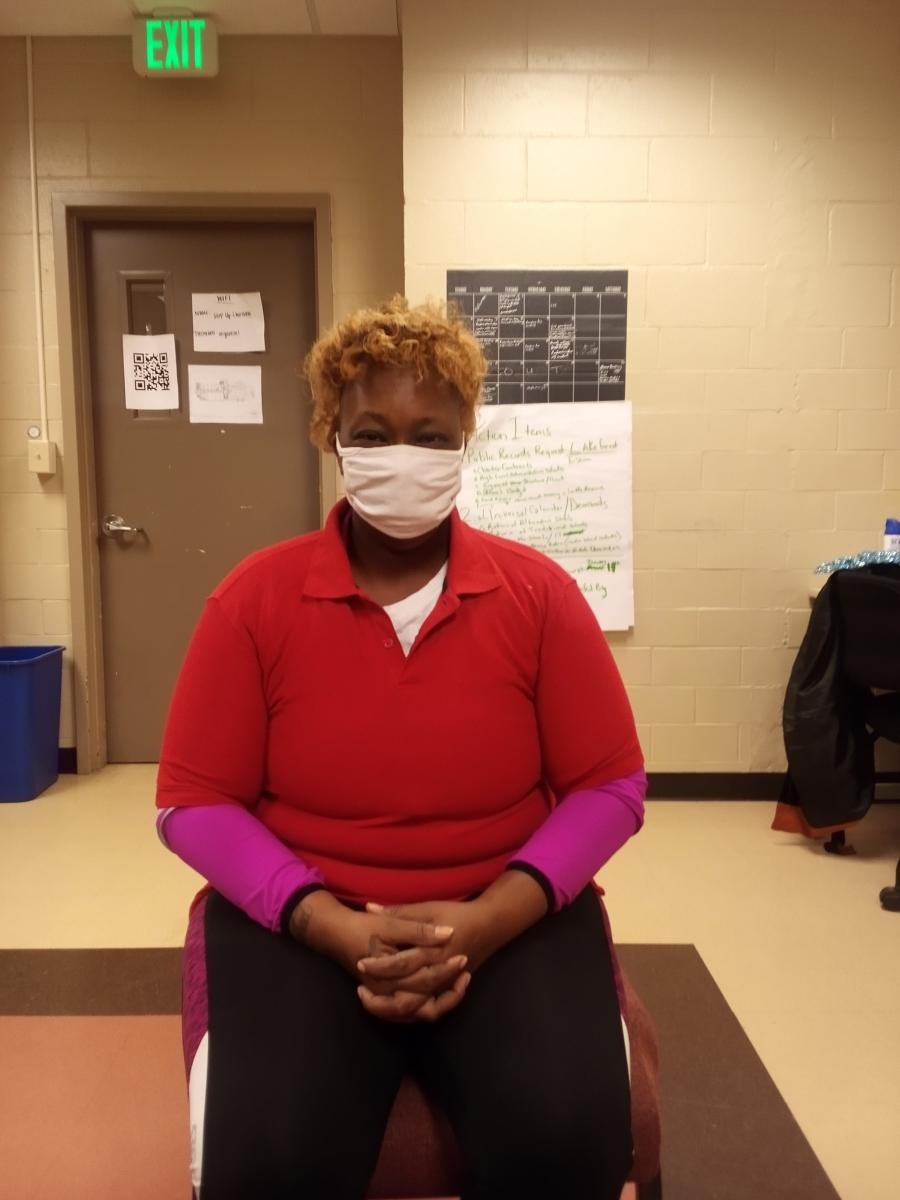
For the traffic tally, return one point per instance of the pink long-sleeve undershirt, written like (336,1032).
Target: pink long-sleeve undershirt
(258,873)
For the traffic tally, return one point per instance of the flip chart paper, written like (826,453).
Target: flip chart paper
(558,477)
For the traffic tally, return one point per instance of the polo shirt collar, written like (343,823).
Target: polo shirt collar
(471,569)
(470,572)
(329,576)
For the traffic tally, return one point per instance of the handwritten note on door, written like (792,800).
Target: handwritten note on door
(229,322)
(558,477)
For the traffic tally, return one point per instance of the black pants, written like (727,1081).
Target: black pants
(530,1068)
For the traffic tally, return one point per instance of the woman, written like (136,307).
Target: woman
(399,750)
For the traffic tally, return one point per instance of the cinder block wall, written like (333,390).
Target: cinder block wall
(286,114)
(742,160)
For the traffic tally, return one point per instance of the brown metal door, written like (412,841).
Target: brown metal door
(204,495)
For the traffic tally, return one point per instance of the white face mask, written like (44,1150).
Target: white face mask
(403,491)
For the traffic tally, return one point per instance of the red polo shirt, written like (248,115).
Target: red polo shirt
(400,778)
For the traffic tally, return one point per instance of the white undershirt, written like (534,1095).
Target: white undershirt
(409,615)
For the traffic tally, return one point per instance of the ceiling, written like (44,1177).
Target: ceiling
(46,18)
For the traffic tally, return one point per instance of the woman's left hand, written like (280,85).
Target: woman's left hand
(480,928)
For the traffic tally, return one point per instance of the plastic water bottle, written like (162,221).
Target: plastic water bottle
(892,534)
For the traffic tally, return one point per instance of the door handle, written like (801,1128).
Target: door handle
(112,524)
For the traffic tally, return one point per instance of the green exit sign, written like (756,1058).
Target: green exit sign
(175,47)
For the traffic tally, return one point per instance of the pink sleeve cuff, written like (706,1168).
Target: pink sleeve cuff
(582,833)
(241,858)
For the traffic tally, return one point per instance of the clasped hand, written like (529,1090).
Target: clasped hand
(413,962)
(420,959)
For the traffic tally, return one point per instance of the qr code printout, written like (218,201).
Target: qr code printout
(151,371)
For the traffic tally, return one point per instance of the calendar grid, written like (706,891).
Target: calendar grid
(547,336)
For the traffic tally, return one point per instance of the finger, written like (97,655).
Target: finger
(383,987)
(401,1006)
(406,962)
(410,912)
(438,1006)
(404,912)
(403,932)
(378,947)
(461,985)
(429,981)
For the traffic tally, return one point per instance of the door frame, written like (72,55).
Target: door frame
(71,213)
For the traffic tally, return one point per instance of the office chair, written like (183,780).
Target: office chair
(869,613)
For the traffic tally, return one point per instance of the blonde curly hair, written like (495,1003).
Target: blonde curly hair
(436,345)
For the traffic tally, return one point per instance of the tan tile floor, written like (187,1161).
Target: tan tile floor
(795,938)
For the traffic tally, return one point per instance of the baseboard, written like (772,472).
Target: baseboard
(687,785)
(733,785)
(714,785)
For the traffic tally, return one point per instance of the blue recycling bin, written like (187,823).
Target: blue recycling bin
(30,690)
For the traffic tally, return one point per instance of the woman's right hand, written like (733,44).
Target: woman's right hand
(434,981)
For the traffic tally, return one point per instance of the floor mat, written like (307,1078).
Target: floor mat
(93,1103)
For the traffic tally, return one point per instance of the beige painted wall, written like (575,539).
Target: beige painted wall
(742,160)
(285,115)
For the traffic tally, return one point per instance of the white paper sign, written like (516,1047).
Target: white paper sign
(223,395)
(151,374)
(558,477)
(229,322)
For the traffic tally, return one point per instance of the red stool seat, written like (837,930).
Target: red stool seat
(420,1157)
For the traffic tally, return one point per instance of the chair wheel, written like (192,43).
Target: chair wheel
(890,899)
